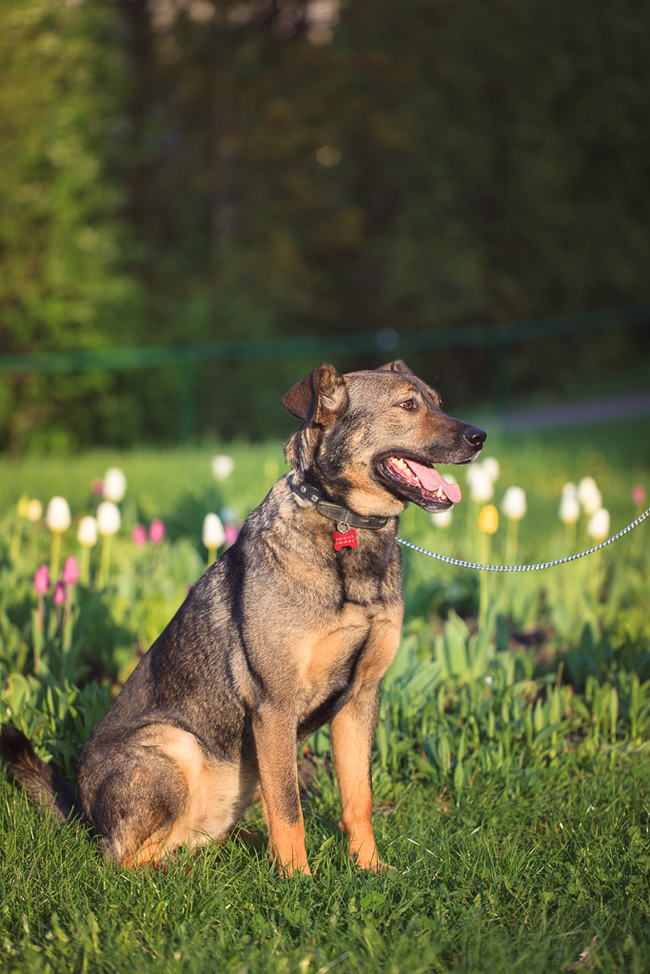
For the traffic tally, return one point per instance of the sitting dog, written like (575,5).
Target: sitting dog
(292,628)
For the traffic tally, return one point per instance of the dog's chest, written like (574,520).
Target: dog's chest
(357,644)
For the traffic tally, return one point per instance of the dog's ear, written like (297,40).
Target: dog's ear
(321,397)
(396,366)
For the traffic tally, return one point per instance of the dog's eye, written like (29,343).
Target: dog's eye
(407,404)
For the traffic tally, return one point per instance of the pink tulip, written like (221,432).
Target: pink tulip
(139,535)
(231,532)
(156,531)
(638,494)
(59,594)
(42,580)
(97,486)
(70,575)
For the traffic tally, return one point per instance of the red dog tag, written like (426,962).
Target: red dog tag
(347,539)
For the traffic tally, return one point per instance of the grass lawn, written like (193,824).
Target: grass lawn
(517,876)
(512,761)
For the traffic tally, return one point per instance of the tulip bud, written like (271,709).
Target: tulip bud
(222,466)
(21,506)
(59,594)
(598,524)
(34,511)
(443,518)
(488,520)
(231,532)
(108,519)
(58,515)
(569,510)
(513,504)
(156,531)
(114,485)
(213,534)
(87,532)
(481,486)
(491,467)
(638,495)
(70,574)
(139,535)
(41,580)
(589,495)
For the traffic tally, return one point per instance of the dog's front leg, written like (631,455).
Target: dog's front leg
(276,743)
(352,733)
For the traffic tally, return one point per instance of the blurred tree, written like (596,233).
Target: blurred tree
(283,167)
(62,285)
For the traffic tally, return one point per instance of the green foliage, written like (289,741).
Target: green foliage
(62,283)
(160,182)
(510,778)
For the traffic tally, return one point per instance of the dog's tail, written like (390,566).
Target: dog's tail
(41,782)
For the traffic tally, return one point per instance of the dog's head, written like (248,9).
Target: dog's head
(369,440)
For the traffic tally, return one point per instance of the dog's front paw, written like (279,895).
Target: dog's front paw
(370,861)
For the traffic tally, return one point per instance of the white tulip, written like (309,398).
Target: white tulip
(34,511)
(481,486)
(213,534)
(513,504)
(114,485)
(569,511)
(443,518)
(598,524)
(222,466)
(589,495)
(58,515)
(87,532)
(492,467)
(570,488)
(108,519)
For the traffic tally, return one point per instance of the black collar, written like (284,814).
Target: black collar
(334,511)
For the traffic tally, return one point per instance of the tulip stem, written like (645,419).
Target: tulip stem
(16,540)
(106,560)
(55,555)
(484,578)
(84,566)
(512,532)
(212,554)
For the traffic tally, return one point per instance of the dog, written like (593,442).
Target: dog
(292,628)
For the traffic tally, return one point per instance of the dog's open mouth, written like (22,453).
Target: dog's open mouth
(424,480)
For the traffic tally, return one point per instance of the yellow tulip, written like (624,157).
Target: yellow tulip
(488,520)
(22,506)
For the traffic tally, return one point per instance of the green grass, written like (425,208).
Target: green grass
(511,764)
(514,877)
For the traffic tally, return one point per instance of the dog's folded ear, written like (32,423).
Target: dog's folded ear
(396,366)
(320,398)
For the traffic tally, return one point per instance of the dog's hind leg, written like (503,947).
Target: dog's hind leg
(161,791)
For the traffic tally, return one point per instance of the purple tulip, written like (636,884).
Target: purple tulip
(59,593)
(70,575)
(156,531)
(139,535)
(42,580)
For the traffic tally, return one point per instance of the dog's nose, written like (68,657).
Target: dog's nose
(475,437)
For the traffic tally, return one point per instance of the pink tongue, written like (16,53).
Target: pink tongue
(431,480)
